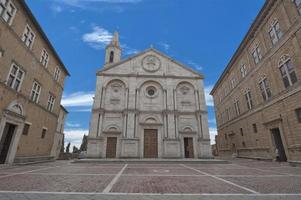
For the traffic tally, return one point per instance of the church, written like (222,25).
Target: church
(148,106)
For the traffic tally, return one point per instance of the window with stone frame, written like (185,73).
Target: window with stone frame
(26,129)
(236,106)
(57,73)
(15,77)
(255,128)
(51,102)
(298,5)
(265,88)
(243,70)
(241,132)
(35,92)
(248,97)
(44,131)
(298,113)
(233,82)
(287,71)
(256,54)
(7,10)
(44,58)
(275,32)
(28,36)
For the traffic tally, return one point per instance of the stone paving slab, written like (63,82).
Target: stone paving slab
(81,170)
(285,184)
(222,166)
(21,196)
(169,184)
(20,169)
(289,170)
(243,171)
(54,183)
(160,171)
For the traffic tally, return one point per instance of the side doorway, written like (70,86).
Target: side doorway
(188,147)
(111,147)
(279,144)
(6,140)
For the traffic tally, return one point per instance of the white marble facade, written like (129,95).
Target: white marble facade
(148,91)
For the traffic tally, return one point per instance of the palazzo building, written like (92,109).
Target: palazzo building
(258,96)
(148,106)
(31,85)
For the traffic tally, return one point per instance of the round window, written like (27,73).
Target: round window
(151,91)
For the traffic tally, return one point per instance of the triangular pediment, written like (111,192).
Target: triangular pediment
(149,62)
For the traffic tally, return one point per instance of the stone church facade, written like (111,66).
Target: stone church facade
(148,106)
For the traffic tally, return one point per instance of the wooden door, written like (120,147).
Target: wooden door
(188,147)
(5,141)
(150,143)
(111,147)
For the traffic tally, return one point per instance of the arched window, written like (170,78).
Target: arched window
(111,56)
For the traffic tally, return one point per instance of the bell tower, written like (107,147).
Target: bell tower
(113,50)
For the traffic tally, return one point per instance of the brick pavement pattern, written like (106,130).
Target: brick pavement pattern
(242,179)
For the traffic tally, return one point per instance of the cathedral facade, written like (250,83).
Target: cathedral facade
(148,106)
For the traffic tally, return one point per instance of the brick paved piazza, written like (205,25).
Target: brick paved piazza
(241,179)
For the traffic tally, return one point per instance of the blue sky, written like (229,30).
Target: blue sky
(203,34)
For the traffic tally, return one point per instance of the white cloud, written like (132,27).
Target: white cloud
(98,38)
(78,99)
(208,97)
(56,8)
(213,133)
(98,5)
(74,136)
(212,121)
(72,125)
(89,109)
(126,50)
(195,65)
(164,45)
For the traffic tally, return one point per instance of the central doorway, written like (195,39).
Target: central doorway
(279,144)
(150,143)
(5,141)
(111,147)
(188,147)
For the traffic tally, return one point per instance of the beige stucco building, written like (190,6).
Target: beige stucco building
(58,141)
(31,85)
(148,106)
(258,96)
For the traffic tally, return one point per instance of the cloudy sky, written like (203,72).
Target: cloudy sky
(203,34)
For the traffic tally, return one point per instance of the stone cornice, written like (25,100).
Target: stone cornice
(148,76)
(136,111)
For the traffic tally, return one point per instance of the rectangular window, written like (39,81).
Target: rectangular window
(275,33)
(57,73)
(7,10)
(243,71)
(249,99)
(241,132)
(44,58)
(26,129)
(43,133)
(28,36)
(257,55)
(35,92)
(298,113)
(51,101)
(298,4)
(254,128)
(15,77)
(265,89)
(288,73)
(237,109)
